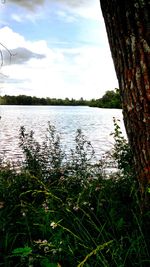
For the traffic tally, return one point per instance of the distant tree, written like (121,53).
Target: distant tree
(111,99)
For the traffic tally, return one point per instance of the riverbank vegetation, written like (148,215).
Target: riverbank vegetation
(111,99)
(29,100)
(69,210)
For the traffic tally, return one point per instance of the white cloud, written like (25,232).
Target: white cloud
(74,72)
(27,16)
(16,17)
(11,39)
(87,9)
(65,16)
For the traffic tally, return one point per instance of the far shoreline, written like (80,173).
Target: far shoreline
(110,100)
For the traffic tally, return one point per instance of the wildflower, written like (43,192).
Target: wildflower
(45,206)
(44,241)
(75,208)
(53,225)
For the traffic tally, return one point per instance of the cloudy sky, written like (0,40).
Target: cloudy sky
(56,48)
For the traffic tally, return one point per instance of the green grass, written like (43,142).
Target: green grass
(63,210)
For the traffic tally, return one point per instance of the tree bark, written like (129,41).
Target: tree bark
(128,29)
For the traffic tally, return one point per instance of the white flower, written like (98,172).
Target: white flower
(53,225)
(44,241)
(75,208)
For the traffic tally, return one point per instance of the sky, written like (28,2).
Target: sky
(54,48)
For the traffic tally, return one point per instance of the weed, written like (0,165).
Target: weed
(66,210)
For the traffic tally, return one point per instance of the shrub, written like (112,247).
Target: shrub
(65,210)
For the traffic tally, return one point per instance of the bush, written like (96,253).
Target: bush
(65,210)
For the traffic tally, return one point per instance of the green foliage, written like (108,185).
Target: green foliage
(66,210)
(43,160)
(122,152)
(111,99)
(46,263)
(22,252)
(29,100)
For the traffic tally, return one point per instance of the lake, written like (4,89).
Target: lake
(95,123)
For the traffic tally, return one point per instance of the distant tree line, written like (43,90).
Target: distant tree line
(111,99)
(29,100)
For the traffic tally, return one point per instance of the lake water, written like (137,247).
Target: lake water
(96,124)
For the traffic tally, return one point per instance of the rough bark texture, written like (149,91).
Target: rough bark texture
(128,28)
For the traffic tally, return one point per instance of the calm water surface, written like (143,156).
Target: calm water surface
(96,124)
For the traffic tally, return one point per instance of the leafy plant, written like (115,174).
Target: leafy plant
(22,252)
(61,210)
(122,152)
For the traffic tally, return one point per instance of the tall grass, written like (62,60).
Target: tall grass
(62,210)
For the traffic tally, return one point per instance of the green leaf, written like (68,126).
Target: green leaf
(22,252)
(148,189)
(46,263)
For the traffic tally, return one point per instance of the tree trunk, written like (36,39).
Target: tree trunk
(128,28)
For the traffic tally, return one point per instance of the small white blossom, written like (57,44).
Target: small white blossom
(53,225)
(44,241)
(75,208)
